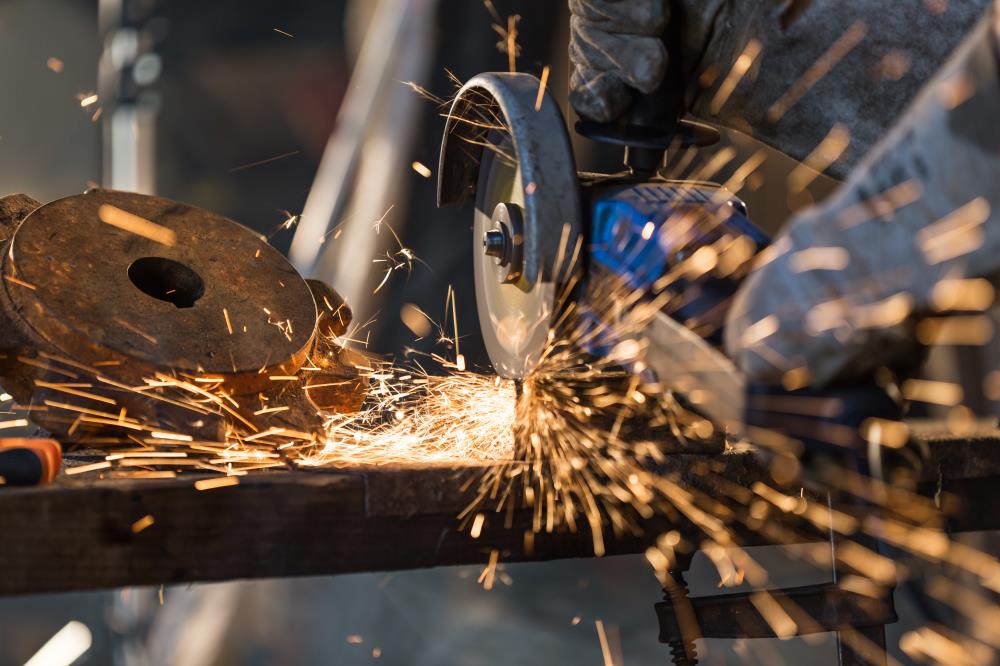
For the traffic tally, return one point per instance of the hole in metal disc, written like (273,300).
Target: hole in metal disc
(167,280)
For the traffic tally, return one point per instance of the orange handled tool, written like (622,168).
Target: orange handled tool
(29,462)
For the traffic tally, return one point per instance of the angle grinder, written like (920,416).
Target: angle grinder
(506,147)
(677,247)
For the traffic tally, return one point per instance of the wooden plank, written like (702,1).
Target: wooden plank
(77,534)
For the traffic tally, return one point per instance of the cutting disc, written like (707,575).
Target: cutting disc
(527,217)
(515,315)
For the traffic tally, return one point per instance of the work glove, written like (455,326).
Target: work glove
(614,45)
(851,284)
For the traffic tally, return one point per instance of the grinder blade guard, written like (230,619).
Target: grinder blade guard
(515,162)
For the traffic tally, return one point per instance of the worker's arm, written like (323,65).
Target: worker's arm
(848,281)
(783,71)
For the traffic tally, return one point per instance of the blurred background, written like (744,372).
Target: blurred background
(230,105)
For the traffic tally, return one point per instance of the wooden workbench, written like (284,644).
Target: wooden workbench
(77,534)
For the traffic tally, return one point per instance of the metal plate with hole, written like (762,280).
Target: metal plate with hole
(219,300)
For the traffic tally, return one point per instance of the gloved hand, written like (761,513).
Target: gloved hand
(614,45)
(846,282)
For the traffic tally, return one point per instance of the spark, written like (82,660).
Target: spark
(272,410)
(264,161)
(883,432)
(377,226)
(760,330)
(266,433)
(218,482)
(894,65)
(19,282)
(886,313)
(175,436)
(163,474)
(56,65)
(929,644)
(422,169)
(508,36)
(935,392)
(512,48)
(741,175)
(602,638)
(459,359)
(881,206)
(955,91)
(402,259)
(959,294)
(477,525)
(956,234)
(135,329)
(83,469)
(416,320)
(229,324)
(826,153)
(282,32)
(132,223)
(47,367)
(463,417)
(776,617)
(579,460)
(739,69)
(488,576)
(819,259)
(826,62)
(542,85)
(974,330)
(88,99)
(291,219)
(143,523)
(63,388)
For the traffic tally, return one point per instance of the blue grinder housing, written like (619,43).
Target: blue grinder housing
(643,231)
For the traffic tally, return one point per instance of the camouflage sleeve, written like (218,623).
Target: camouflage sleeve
(858,63)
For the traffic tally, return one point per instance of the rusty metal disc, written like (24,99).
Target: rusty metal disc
(218,301)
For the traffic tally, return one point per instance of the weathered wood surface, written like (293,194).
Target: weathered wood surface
(77,534)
